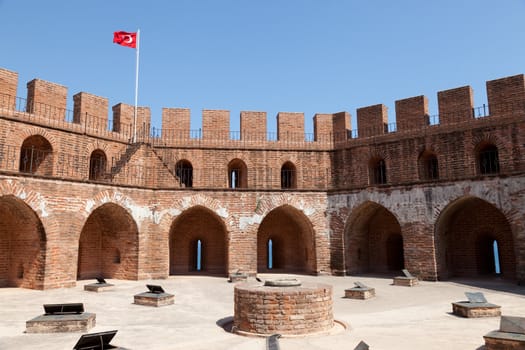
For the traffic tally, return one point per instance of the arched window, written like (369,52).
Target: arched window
(288,176)
(377,171)
(184,172)
(237,174)
(488,161)
(36,156)
(97,165)
(428,166)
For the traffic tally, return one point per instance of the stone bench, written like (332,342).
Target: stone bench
(156,296)
(407,280)
(238,277)
(360,291)
(510,336)
(100,286)
(476,306)
(62,318)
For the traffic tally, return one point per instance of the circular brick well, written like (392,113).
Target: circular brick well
(287,307)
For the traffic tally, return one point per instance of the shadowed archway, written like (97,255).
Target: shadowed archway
(465,234)
(22,245)
(373,241)
(108,245)
(198,243)
(285,242)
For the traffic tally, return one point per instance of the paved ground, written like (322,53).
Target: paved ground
(398,318)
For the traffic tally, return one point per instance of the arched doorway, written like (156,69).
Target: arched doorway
(285,242)
(108,245)
(22,245)
(465,232)
(198,243)
(373,241)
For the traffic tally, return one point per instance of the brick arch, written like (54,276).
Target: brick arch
(266,204)
(92,146)
(373,240)
(36,131)
(108,196)
(108,245)
(293,242)
(195,224)
(22,244)
(378,153)
(487,137)
(464,232)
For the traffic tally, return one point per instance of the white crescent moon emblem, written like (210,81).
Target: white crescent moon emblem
(128,39)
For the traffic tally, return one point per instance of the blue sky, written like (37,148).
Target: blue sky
(308,56)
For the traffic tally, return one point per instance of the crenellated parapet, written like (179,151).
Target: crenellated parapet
(46,104)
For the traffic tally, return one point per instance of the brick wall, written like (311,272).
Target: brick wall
(317,223)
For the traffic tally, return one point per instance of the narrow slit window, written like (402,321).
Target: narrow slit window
(270,254)
(198,264)
(497,268)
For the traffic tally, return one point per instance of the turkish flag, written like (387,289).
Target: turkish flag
(125,39)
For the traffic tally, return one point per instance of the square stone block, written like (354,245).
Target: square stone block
(238,277)
(497,340)
(512,324)
(405,281)
(61,323)
(154,299)
(474,310)
(98,287)
(360,293)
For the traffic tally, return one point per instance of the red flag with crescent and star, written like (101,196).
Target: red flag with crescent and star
(125,39)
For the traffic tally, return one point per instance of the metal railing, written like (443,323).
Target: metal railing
(51,116)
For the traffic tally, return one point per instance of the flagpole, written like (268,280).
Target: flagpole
(136,89)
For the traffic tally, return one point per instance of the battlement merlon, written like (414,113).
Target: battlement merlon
(123,115)
(330,127)
(506,95)
(412,113)
(8,87)
(46,98)
(253,126)
(290,126)
(91,110)
(372,120)
(455,105)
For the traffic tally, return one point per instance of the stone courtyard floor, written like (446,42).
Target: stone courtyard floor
(397,318)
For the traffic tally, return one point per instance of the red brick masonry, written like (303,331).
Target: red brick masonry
(286,310)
